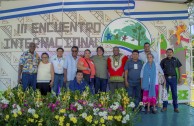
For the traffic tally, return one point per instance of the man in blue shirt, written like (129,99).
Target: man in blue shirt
(132,77)
(78,83)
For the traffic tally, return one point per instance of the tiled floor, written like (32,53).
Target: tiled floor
(169,118)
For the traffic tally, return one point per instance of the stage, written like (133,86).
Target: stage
(169,118)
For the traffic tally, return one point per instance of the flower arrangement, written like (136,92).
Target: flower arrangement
(69,108)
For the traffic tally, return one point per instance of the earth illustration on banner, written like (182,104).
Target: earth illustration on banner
(127,33)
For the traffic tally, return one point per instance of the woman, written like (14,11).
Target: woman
(100,62)
(87,66)
(149,75)
(78,83)
(45,75)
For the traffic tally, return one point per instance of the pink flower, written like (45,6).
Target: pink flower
(109,110)
(120,108)
(4,106)
(57,102)
(84,103)
(99,105)
(14,106)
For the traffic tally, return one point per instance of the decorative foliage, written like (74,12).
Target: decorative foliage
(69,108)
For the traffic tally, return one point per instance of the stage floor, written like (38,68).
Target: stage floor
(169,118)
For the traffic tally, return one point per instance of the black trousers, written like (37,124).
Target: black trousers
(43,87)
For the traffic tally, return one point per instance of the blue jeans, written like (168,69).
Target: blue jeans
(135,93)
(91,85)
(29,80)
(100,85)
(172,82)
(58,83)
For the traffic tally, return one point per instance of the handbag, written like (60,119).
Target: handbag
(160,79)
(164,96)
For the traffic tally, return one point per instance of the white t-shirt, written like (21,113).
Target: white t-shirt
(58,64)
(143,57)
(44,72)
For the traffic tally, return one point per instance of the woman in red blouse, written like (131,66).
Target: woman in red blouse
(87,66)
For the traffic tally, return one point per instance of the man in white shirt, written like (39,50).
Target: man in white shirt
(70,66)
(58,65)
(143,55)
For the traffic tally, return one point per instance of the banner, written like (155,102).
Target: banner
(89,24)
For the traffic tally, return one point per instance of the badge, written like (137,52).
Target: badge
(135,66)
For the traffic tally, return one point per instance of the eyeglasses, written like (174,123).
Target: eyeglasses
(74,50)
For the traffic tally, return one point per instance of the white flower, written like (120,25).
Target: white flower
(14,111)
(100,114)
(127,117)
(123,112)
(18,108)
(71,115)
(105,117)
(5,101)
(90,104)
(132,105)
(141,103)
(124,121)
(32,111)
(79,107)
(84,115)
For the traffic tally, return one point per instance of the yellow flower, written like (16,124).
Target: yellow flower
(101,120)
(89,118)
(118,118)
(35,116)
(39,124)
(110,118)
(6,117)
(15,115)
(60,123)
(57,117)
(61,119)
(67,124)
(62,111)
(74,120)
(30,120)
(40,121)
(19,112)
(96,122)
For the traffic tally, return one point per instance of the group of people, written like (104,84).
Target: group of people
(138,73)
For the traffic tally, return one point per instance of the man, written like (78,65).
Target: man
(116,64)
(78,83)
(58,64)
(143,55)
(172,71)
(70,66)
(28,67)
(132,77)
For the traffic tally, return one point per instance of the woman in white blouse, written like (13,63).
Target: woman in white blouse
(45,75)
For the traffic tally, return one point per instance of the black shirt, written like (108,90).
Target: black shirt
(169,66)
